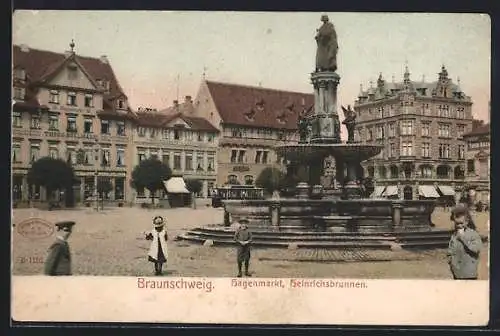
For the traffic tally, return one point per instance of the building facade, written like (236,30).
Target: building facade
(477,156)
(186,143)
(421,126)
(65,106)
(251,121)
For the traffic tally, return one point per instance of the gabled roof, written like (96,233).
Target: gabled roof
(41,64)
(161,120)
(258,107)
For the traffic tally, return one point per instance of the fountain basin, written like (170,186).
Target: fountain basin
(311,151)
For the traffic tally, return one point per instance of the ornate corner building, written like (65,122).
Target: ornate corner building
(69,106)
(422,126)
(477,155)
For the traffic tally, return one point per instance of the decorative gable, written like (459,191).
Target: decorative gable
(178,123)
(72,74)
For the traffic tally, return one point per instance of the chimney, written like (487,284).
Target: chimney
(104,59)
(24,48)
(176,103)
(188,99)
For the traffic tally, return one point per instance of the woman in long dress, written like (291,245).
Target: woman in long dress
(158,250)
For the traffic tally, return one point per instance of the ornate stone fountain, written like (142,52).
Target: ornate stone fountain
(311,218)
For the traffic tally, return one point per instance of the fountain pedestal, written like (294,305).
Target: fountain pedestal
(325,122)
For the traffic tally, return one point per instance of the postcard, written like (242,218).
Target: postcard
(251,167)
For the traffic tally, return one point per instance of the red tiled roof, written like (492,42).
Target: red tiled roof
(480,130)
(258,107)
(40,64)
(161,119)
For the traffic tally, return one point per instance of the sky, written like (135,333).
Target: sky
(161,56)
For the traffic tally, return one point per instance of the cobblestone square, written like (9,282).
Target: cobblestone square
(111,243)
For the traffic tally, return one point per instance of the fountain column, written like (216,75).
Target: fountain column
(325,120)
(352,187)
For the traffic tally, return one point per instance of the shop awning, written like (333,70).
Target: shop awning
(446,190)
(176,185)
(428,191)
(378,191)
(391,191)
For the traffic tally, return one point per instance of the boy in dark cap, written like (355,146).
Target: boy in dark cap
(465,245)
(59,260)
(243,238)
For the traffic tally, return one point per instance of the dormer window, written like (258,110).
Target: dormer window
(19,73)
(250,115)
(120,104)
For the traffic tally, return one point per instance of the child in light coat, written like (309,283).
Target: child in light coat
(158,250)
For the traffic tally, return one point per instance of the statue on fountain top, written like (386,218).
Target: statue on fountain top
(326,39)
(349,122)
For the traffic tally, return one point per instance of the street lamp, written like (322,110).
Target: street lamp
(97,149)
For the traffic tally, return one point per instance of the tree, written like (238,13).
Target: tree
(149,174)
(194,186)
(52,174)
(270,179)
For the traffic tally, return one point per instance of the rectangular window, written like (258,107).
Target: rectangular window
(460,130)
(71,155)
(120,104)
(200,136)
(53,122)
(141,155)
(71,126)
(241,156)
(444,130)
(54,97)
(177,161)
(71,99)
(141,131)
(19,74)
(34,152)
(16,152)
(211,162)
(426,150)
(35,121)
(89,100)
(406,148)
(177,134)
(407,127)
(120,128)
(461,112)
(370,135)
(471,166)
(188,136)
(166,159)
(120,157)
(210,137)
(426,129)
(380,132)
(461,152)
(19,93)
(392,129)
(53,151)
(189,161)
(152,133)
(104,126)
(166,134)
(153,154)
(87,125)
(105,157)
(258,155)
(234,155)
(444,151)
(392,151)
(265,155)
(16,119)
(200,162)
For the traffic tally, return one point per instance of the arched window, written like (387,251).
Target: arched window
(249,180)
(232,179)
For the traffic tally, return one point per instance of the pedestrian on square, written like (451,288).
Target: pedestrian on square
(58,261)
(465,245)
(158,249)
(243,238)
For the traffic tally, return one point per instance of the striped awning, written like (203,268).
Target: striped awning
(176,185)
(391,191)
(446,190)
(378,191)
(428,191)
